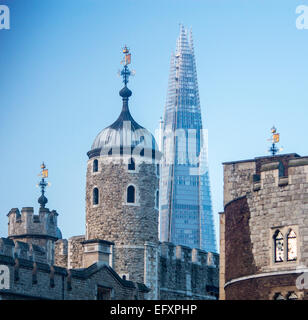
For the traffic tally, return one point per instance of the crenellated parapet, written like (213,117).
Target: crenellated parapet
(28,223)
(22,250)
(186,272)
(31,276)
(35,229)
(245,177)
(185,254)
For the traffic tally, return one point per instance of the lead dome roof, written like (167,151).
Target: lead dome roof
(125,133)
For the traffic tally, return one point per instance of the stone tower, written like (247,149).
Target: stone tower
(40,230)
(264,229)
(122,194)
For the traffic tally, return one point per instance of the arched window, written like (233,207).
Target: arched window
(291,246)
(278,246)
(157,199)
(95,196)
(131,196)
(131,164)
(95,165)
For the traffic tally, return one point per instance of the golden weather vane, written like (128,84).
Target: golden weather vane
(274,139)
(126,73)
(43,184)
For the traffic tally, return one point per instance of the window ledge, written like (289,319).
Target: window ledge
(136,204)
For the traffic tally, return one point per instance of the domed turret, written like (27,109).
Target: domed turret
(122,191)
(125,133)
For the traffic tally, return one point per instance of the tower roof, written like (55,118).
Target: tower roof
(125,134)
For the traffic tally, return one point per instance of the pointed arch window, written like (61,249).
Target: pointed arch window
(131,164)
(131,194)
(278,246)
(95,165)
(95,196)
(291,246)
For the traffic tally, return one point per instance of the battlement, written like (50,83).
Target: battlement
(36,279)
(27,223)
(186,272)
(248,176)
(22,250)
(188,255)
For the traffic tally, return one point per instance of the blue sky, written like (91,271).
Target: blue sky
(59,86)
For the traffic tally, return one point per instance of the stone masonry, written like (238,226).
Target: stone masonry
(263,196)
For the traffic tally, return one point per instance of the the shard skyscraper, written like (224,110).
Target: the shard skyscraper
(186,216)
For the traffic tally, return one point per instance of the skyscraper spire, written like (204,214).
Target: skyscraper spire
(186,216)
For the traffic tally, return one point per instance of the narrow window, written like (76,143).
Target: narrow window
(157,169)
(131,164)
(95,165)
(131,194)
(157,199)
(279,249)
(95,196)
(292,246)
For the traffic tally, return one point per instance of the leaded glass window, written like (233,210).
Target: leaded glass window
(279,248)
(292,246)
(292,296)
(279,296)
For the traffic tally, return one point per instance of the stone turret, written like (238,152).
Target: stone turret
(122,195)
(264,228)
(38,229)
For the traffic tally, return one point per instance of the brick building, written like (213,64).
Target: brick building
(264,228)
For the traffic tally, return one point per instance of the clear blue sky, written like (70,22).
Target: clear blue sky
(59,86)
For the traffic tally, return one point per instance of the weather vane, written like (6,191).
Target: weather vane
(126,73)
(274,139)
(43,184)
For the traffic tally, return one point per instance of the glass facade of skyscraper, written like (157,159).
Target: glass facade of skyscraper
(186,216)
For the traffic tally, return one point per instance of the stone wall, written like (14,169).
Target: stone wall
(129,226)
(263,202)
(75,252)
(61,253)
(186,273)
(40,230)
(22,250)
(41,281)
(265,288)
(113,219)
